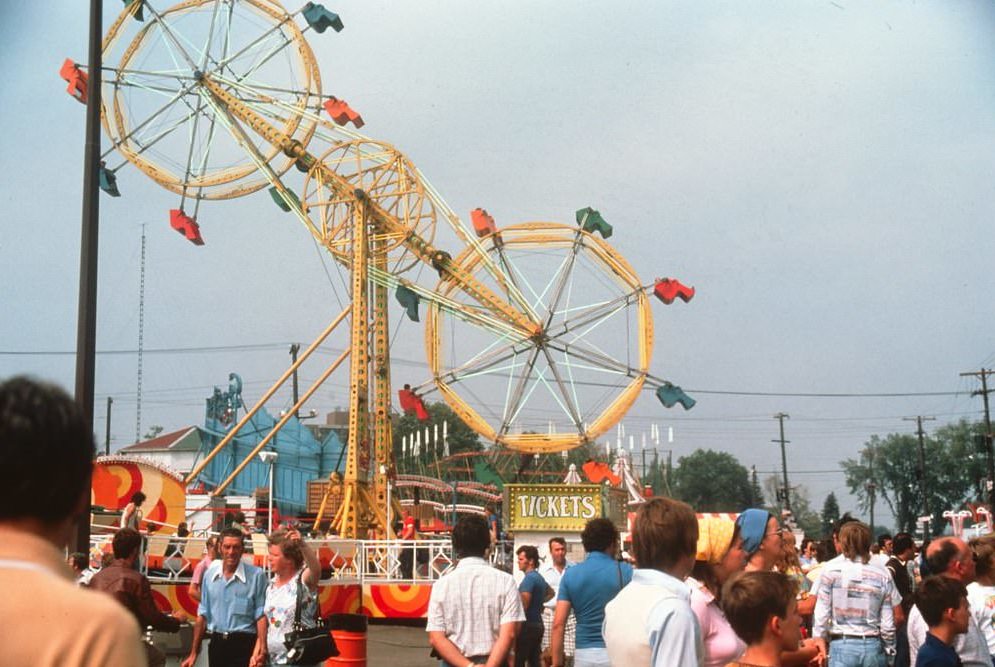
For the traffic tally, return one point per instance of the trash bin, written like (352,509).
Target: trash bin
(349,633)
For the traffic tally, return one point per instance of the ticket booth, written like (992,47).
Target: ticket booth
(534,513)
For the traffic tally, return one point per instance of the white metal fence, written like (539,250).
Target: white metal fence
(173,559)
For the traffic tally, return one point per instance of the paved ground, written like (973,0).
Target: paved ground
(386,646)
(398,646)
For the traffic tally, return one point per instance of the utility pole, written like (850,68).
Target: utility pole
(780,417)
(294,349)
(107,437)
(922,467)
(871,485)
(86,320)
(990,486)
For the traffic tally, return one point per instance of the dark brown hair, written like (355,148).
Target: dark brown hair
(750,599)
(935,595)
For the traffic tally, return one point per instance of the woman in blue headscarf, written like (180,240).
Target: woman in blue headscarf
(761,535)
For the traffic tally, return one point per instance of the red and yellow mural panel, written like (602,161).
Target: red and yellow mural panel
(117,478)
(396,600)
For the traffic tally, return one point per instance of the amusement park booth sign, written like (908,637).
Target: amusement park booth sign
(560,507)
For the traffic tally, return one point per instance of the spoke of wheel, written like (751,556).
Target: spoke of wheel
(487,366)
(169,33)
(516,401)
(221,64)
(193,143)
(276,49)
(488,355)
(210,37)
(162,135)
(597,358)
(567,272)
(128,137)
(569,407)
(540,377)
(604,311)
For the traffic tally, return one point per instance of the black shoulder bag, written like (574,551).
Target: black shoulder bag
(308,646)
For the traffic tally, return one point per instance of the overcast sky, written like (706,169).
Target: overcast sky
(821,172)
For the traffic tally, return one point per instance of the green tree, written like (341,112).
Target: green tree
(954,472)
(830,514)
(712,481)
(460,436)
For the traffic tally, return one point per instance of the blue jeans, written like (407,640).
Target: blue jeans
(856,653)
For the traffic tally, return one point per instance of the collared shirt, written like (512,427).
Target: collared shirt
(50,622)
(588,587)
(131,588)
(471,603)
(981,598)
(552,577)
(856,599)
(970,646)
(650,622)
(235,604)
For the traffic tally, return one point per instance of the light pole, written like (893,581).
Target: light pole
(270,458)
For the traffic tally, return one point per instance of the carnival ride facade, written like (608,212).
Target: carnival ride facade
(215,99)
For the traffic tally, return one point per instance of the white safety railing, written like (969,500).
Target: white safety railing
(171,559)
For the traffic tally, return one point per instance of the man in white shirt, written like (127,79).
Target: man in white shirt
(951,557)
(552,571)
(474,610)
(650,622)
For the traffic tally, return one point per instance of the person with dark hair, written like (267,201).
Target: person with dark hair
(881,550)
(902,551)
(650,622)
(231,611)
(239,522)
(981,593)
(294,567)
(131,517)
(586,589)
(762,609)
(46,454)
(80,563)
(534,591)
(132,589)
(474,609)
(950,557)
(552,571)
(719,556)
(942,601)
(856,605)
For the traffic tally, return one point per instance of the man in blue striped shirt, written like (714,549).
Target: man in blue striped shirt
(231,614)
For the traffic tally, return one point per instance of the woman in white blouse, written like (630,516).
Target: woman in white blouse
(292,563)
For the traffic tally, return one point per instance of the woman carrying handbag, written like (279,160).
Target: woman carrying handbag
(292,603)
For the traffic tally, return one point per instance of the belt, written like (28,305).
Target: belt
(834,637)
(224,636)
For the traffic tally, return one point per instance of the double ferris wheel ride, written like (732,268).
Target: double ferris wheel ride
(538,335)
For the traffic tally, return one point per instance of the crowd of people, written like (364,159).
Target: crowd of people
(687,592)
(60,611)
(711,592)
